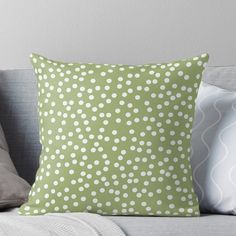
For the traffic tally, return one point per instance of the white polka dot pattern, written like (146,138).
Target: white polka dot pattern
(115,138)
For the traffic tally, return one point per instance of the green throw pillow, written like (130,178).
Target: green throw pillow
(115,138)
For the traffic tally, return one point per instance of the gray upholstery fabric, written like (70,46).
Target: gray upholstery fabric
(221,76)
(206,225)
(18,113)
(13,189)
(18,116)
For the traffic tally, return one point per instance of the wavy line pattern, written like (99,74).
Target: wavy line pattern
(213,149)
(198,166)
(233,168)
(226,155)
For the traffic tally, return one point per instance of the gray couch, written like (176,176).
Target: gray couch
(18,116)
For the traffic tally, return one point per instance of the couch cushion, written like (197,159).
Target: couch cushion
(18,116)
(221,76)
(206,225)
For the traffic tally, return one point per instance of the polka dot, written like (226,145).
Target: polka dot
(115,138)
(188,64)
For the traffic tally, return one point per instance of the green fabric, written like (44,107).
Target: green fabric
(115,138)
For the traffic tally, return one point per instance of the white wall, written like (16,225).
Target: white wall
(116,31)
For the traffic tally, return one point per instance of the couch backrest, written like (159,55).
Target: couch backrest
(18,117)
(18,113)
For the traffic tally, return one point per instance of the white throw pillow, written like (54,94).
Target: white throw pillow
(214,149)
